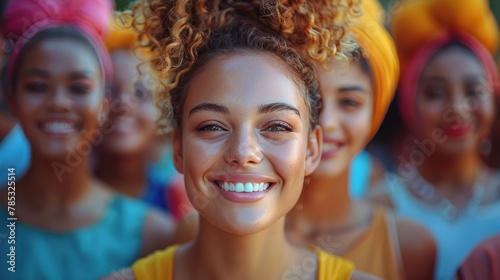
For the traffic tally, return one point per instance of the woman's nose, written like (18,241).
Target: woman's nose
(243,148)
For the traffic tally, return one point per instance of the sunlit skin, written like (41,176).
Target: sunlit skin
(244,120)
(238,130)
(59,101)
(325,210)
(454,96)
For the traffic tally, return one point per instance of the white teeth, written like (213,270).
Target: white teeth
(330,146)
(58,127)
(248,187)
(243,187)
(239,187)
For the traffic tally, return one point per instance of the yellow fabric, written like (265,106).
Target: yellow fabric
(160,266)
(332,267)
(123,37)
(415,22)
(377,252)
(378,48)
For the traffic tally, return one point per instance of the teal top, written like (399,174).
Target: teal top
(87,253)
(360,174)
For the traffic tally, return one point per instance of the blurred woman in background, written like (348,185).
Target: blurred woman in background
(446,100)
(355,100)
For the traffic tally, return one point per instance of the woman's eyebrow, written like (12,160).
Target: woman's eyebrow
(277,106)
(352,88)
(81,75)
(213,107)
(36,72)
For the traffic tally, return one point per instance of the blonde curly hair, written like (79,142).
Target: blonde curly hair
(184,35)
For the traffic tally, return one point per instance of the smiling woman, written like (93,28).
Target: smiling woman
(67,220)
(446,99)
(245,112)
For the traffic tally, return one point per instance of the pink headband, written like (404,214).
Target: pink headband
(23,19)
(411,75)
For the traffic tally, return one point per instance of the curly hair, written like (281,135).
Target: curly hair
(184,35)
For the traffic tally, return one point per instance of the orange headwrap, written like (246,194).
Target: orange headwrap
(122,36)
(378,48)
(422,27)
(416,22)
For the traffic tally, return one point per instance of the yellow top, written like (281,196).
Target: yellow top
(377,252)
(160,265)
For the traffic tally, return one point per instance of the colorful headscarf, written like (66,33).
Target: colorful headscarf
(122,36)
(423,27)
(379,50)
(25,18)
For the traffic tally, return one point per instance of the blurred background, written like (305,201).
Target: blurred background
(495,6)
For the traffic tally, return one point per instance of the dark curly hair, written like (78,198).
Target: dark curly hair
(184,35)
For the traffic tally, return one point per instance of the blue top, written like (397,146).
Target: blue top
(160,175)
(87,253)
(15,152)
(359,175)
(455,238)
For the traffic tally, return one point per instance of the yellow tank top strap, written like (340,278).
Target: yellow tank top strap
(331,267)
(159,265)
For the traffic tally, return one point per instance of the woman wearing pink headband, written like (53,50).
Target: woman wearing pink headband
(446,100)
(62,222)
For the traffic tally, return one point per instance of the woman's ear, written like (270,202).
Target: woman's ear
(178,156)
(313,155)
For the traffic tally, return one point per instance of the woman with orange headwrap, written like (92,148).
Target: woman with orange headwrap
(355,100)
(446,97)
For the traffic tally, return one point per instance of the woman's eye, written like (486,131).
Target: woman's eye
(435,94)
(80,89)
(210,127)
(349,103)
(477,90)
(279,127)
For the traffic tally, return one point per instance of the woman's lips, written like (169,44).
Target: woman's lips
(457,131)
(330,148)
(243,187)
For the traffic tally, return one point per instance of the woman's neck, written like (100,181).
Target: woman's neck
(124,173)
(53,183)
(326,200)
(458,172)
(263,255)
